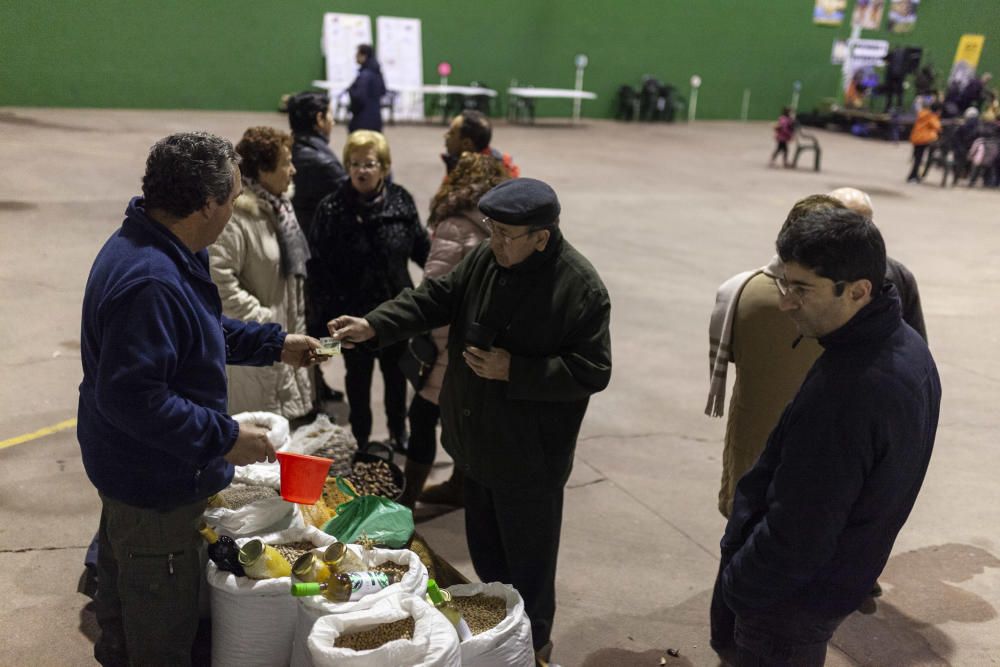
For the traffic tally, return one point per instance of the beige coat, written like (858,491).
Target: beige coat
(453,239)
(769,372)
(246,267)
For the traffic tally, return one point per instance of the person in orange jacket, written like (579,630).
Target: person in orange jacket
(925,132)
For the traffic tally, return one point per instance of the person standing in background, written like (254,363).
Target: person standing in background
(457,228)
(925,132)
(366,92)
(259,266)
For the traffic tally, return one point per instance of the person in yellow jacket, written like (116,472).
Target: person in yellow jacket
(925,132)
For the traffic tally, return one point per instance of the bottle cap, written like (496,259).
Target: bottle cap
(434,593)
(306,589)
(250,552)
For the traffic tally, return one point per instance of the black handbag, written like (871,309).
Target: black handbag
(418,359)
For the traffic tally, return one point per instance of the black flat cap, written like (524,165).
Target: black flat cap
(521,202)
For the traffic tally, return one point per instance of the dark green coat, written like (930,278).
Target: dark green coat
(552,313)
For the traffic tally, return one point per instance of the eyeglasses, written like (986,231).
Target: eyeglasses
(371,165)
(489,222)
(799,291)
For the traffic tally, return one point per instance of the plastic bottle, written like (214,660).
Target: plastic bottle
(262,561)
(222,550)
(442,602)
(346,587)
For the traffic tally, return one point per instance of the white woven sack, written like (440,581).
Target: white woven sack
(268,515)
(313,608)
(253,621)
(264,474)
(434,642)
(508,644)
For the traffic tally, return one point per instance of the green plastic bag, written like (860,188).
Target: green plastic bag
(386,523)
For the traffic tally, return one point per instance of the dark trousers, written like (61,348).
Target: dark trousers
(918,158)
(782,149)
(424,417)
(360,364)
(149,574)
(777,639)
(514,538)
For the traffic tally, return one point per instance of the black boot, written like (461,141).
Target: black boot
(450,492)
(416,474)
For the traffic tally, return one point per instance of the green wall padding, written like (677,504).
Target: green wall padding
(224,54)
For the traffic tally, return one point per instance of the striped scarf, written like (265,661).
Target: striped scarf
(291,240)
(720,333)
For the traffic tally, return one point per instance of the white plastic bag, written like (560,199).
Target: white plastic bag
(324,438)
(434,642)
(509,642)
(267,515)
(253,621)
(264,474)
(311,609)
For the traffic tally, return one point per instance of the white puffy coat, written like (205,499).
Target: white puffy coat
(246,266)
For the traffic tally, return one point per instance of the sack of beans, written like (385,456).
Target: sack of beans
(501,631)
(400,630)
(325,439)
(401,562)
(253,620)
(243,510)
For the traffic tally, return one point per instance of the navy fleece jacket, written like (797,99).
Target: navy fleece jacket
(815,519)
(152,420)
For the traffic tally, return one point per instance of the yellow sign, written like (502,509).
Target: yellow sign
(970,47)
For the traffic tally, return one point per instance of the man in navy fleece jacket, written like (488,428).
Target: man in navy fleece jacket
(814,521)
(152,424)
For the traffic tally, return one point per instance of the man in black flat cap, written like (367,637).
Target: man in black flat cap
(528,345)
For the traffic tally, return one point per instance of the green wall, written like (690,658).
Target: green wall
(224,54)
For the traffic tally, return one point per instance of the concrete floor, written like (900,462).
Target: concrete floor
(665,213)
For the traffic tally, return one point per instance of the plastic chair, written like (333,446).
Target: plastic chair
(388,101)
(942,154)
(807,142)
(628,103)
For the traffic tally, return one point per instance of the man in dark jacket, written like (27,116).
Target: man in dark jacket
(814,521)
(366,92)
(152,424)
(528,345)
(472,131)
(317,169)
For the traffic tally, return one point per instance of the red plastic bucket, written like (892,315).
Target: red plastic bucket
(302,477)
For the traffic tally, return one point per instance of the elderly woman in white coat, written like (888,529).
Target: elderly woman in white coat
(259,266)
(456,228)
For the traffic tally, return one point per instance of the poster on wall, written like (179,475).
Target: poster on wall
(342,34)
(868,14)
(970,47)
(903,15)
(829,12)
(400,52)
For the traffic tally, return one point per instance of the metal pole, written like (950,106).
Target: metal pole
(693,105)
(577,101)
(745,113)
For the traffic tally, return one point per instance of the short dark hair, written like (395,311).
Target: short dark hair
(836,243)
(302,110)
(476,127)
(367,50)
(807,205)
(260,149)
(185,170)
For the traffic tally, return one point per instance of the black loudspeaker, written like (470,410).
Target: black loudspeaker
(912,56)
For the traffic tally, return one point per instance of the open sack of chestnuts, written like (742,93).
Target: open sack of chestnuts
(399,630)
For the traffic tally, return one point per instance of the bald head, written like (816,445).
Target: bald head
(854,199)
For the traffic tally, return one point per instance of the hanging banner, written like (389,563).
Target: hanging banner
(829,12)
(400,52)
(342,34)
(970,47)
(868,14)
(903,15)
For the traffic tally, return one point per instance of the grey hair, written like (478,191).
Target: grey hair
(186,170)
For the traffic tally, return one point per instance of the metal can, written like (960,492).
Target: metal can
(309,568)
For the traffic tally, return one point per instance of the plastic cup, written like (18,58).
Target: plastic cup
(302,477)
